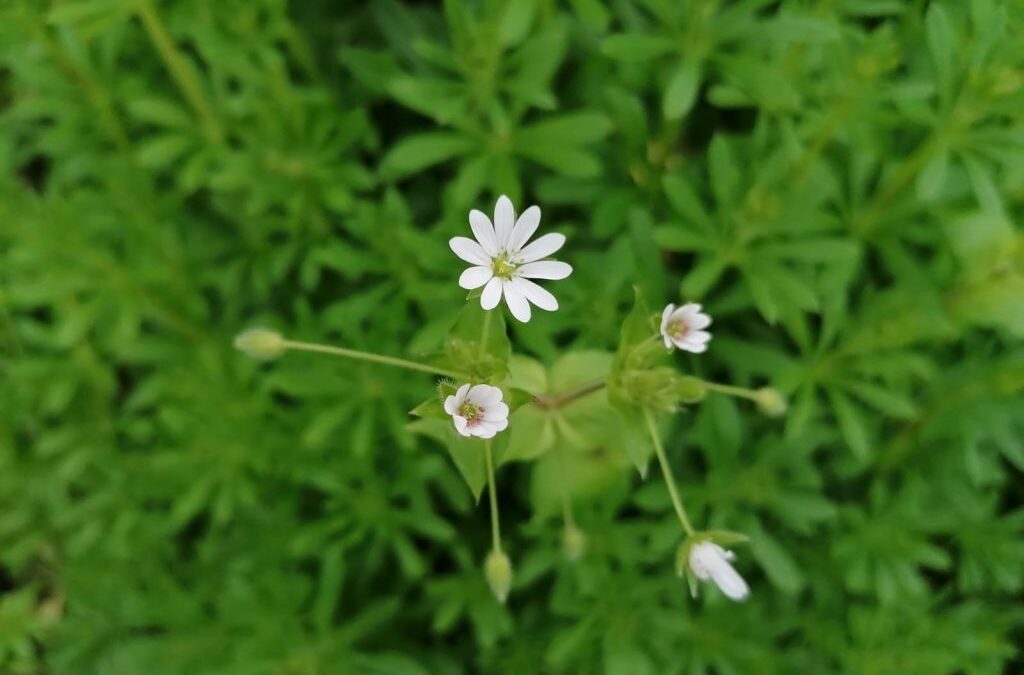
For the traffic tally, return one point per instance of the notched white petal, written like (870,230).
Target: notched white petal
(491,296)
(469,250)
(541,248)
(475,277)
(545,269)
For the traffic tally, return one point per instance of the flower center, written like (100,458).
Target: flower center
(677,329)
(502,268)
(473,413)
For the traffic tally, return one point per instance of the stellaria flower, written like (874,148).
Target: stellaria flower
(709,561)
(477,410)
(503,263)
(683,328)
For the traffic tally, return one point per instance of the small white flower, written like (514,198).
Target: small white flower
(504,264)
(683,327)
(710,561)
(477,410)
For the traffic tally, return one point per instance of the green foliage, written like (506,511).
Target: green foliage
(840,184)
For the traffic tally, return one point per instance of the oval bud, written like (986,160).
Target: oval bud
(260,343)
(770,401)
(690,389)
(498,570)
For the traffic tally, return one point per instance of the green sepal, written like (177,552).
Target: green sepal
(637,329)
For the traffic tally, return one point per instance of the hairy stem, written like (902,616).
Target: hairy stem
(739,392)
(556,401)
(369,356)
(492,492)
(178,68)
(666,470)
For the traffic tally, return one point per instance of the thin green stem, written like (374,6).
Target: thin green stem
(666,470)
(740,392)
(178,68)
(370,356)
(570,522)
(492,491)
(485,333)
(556,401)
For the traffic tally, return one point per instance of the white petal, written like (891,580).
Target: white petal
(504,220)
(666,316)
(516,302)
(526,225)
(483,430)
(450,405)
(729,580)
(545,269)
(475,277)
(692,347)
(496,412)
(698,321)
(541,248)
(461,425)
(535,294)
(491,296)
(697,336)
(460,394)
(485,395)
(483,231)
(469,250)
(689,309)
(667,339)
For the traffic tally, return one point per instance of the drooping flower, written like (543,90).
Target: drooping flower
(503,263)
(709,561)
(477,410)
(683,328)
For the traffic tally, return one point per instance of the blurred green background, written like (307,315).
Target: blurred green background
(841,183)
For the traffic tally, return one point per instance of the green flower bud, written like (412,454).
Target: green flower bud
(690,389)
(770,401)
(574,542)
(260,343)
(498,570)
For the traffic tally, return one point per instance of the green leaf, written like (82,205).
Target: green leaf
(681,91)
(851,424)
(418,152)
(633,47)
(466,453)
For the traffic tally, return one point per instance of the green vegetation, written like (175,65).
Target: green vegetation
(840,183)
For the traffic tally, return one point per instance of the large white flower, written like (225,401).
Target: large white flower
(709,561)
(503,263)
(683,328)
(477,410)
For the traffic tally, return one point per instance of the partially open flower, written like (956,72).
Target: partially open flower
(709,561)
(683,328)
(477,410)
(504,264)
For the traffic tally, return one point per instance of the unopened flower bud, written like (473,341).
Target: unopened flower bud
(770,401)
(260,343)
(690,389)
(574,542)
(498,570)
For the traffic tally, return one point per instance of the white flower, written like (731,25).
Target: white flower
(504,264)
(710,561)
(477,410)
(683,328)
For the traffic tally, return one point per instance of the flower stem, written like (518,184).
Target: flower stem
(369,356)
(667,471)
(739,392)
(485,333)
(561,400)
(492,491)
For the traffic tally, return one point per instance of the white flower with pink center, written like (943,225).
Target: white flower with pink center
(683,327)
(503,263)
(477,410)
